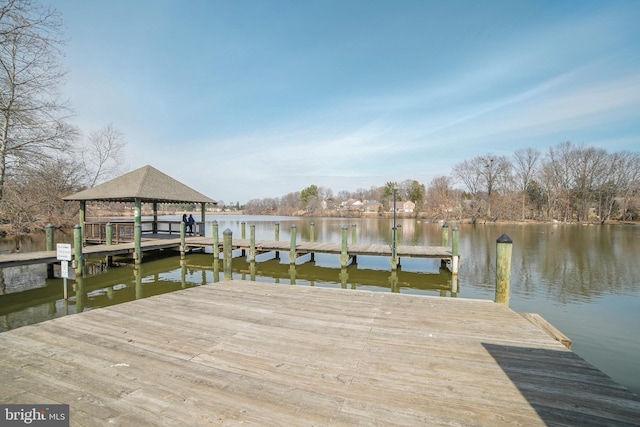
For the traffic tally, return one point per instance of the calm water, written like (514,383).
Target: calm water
(585,280)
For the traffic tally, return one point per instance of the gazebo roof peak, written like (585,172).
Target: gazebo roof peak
(146,184)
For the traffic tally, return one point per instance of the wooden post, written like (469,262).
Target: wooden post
(137,236)
(455,255)
(445,235)
(312,239)
(393,281)
(183,232)
(445,242)
(109,241)
(394,250)
(83,217)
(77,246)
(504,246)
(138,243)
(344,255)
(216,251)
(399,234)
(226,249)
(277,237)
(80,294)
(292,248)
(50,231)
(216,241)
(203,217)
(155,217)
(354,235)
(252,248)
(243,234)
(252,271)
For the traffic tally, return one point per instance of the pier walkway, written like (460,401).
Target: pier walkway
(169,242)
(260,354)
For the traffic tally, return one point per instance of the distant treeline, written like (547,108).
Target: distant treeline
(566,183)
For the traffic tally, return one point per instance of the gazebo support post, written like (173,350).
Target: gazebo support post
(155,217)
(203,213)
(83,218)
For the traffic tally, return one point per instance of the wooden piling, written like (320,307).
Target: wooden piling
(50,231)
(445,242)
(312,232)
(344,256)
(252,248)
(394,249)
(216,240)
(277,237)
(504,246)
(183,232)
(455,255)
(354,235)
(445,235)
(292,249)
(83,216)
(109,241)
(243,234)
(215,251)
(399,234)
(137,232)
(77,246)
(227,236)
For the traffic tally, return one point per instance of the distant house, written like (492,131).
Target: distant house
(352,205)
(372,206)
(408,206)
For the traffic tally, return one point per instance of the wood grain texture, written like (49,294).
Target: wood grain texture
(260,354)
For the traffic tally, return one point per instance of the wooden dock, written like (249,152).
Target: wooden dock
(170,242)
(259,354)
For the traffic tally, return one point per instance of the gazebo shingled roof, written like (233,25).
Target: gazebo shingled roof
(146,184)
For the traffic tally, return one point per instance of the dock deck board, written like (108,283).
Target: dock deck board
(263,354)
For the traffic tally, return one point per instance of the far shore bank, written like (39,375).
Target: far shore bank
(6,231)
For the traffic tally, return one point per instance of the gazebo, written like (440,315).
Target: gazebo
(144,185)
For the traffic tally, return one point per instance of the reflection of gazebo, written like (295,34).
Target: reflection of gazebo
(144,185)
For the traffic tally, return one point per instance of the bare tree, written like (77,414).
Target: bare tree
(32,118)
(587,169)
(525,165)
(488,173)
(440,196)
(558,176)
(102,156)
(467,173)
(33,195)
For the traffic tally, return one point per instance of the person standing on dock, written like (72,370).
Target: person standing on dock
(191,222)
(185,222)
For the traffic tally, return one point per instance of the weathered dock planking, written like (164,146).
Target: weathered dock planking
(169,242)
(262,354)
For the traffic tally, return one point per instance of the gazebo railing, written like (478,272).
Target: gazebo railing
(95,232)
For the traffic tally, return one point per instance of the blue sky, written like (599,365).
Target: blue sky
(244,99)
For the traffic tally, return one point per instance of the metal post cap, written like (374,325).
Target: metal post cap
(504,239)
